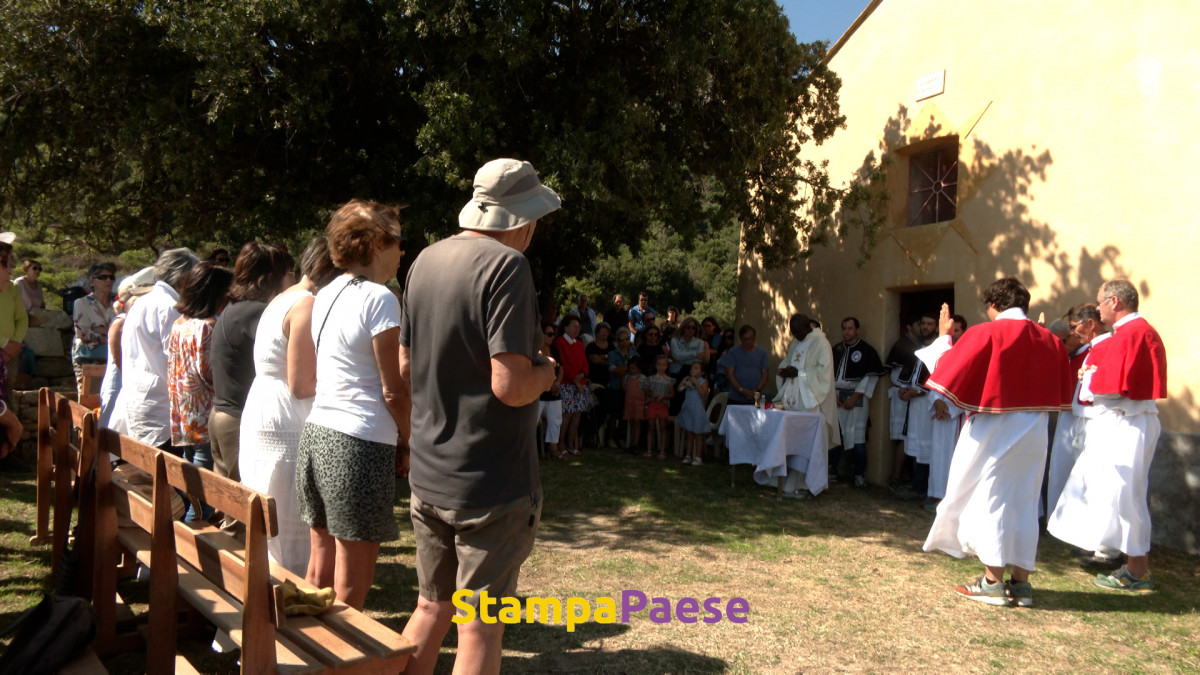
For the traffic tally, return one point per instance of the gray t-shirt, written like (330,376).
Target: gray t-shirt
(467,299)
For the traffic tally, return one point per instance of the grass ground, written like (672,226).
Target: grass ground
(835,584)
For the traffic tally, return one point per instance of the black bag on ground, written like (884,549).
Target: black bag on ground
(52,634)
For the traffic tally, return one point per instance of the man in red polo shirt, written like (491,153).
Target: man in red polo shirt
(1008,374)
(1104,503)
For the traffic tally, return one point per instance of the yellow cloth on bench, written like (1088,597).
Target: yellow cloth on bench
(296,601)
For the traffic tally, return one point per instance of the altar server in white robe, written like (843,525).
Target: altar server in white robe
(918,434)
(805,382)
(856,370)
(904,368)
(900,361)
(1086,330)
(947,422)
(1008,374)
(1104,502)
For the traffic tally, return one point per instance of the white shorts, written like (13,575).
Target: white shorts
(552,411)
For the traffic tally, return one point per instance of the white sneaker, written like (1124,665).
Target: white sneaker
(696,461)
(687,460)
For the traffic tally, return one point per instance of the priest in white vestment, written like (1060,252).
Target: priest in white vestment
(805,382)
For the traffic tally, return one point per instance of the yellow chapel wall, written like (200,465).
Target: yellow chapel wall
(1079,132)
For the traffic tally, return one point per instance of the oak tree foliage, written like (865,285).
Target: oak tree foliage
(128,124)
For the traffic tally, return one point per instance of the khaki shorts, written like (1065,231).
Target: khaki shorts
(479,549)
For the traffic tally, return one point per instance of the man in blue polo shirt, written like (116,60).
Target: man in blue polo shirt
(637,313)
(745,367)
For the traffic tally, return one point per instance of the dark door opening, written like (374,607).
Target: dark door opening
(914,303)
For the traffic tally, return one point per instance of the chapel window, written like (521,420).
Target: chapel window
(933,185)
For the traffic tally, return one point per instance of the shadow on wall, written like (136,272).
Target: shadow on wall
(998,221)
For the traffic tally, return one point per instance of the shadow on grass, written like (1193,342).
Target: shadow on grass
(553,648)
(9,525)
(623,502)
(1102,601)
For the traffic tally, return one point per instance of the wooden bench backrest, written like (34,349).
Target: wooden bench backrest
(224,494)
(44,475)
(245,577)
(89,385)
(341,638)
(67,453)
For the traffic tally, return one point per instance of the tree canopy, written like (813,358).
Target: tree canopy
(126,124)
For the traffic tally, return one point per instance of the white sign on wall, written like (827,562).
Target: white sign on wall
(931,85)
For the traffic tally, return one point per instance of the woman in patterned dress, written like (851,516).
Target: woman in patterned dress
(203,293)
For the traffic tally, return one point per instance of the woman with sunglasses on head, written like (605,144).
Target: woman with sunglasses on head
(719,379)
(355,439)
(92,315)
(31,290)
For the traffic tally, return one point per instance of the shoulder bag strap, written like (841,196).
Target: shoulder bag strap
(353,282)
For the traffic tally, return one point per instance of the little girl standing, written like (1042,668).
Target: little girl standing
(660,388)
(634,385)
(692,416)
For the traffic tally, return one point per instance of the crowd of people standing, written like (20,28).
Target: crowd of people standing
(627,370)
(316,384)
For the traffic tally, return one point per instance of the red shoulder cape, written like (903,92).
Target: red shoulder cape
(1005,366)
(1132,363)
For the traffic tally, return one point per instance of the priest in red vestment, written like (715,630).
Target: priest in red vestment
(1008,374)
(1104,504)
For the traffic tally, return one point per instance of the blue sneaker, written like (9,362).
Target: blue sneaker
(984,591)
(1020,594)
(1122,580)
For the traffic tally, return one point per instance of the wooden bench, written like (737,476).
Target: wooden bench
(228,581)
(90,383)
(66,453)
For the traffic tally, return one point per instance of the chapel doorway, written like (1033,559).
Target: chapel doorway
(913,303)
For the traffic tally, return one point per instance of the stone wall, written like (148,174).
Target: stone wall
(1175,491)
(49,336)
(26,409)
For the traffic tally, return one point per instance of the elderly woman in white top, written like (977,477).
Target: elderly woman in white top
(148,324)
(346,460)
(92,315)
(132,287)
